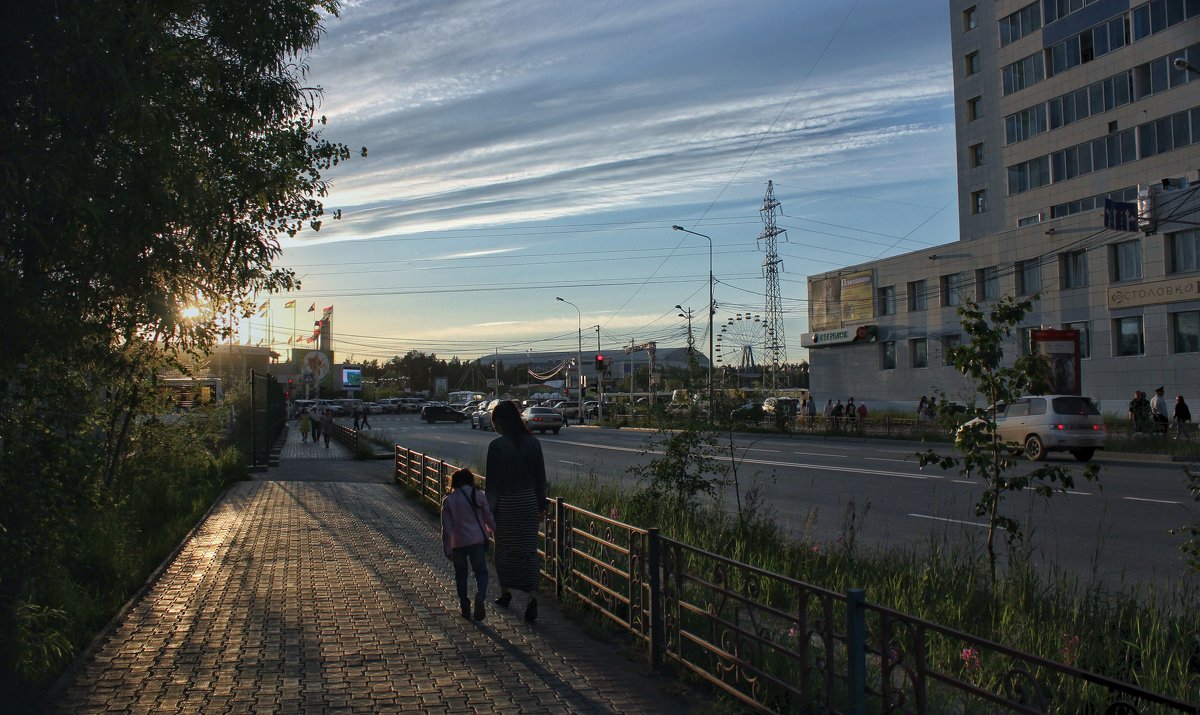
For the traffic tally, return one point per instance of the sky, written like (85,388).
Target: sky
(524,150)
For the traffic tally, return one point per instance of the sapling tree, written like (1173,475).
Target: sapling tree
(691,463)
(981,454)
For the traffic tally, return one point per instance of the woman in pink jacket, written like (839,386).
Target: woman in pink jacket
(466,522)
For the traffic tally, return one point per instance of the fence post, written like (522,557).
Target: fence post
(856,652)
(654,550)
(559,547)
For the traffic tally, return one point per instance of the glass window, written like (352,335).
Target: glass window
(916,296)
(1128,147)
(976,155)
(978,201)
(954,288)
(918,350)
(887,355)
(987,283)
(1127,261)
(1185,332)
(887,300)
(1074,269)
(1025,340)
(1029,277)
(970,19)
(1085,338)
(1182,250)
(974,109)
(949,342)
(972,63)
(1127,336)
(1141,22)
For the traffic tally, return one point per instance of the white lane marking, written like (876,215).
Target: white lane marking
(573,464)
(823,454)
(771,463)
(1152,501)
(952,521)
(964,481)
(760,449)
(885,459)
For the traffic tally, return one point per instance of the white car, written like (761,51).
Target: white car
(1040,424)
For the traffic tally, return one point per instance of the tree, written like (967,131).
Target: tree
(982,454)
(691,463)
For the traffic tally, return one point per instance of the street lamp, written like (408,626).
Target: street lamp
(711,402)
(1181,63)
(578,354)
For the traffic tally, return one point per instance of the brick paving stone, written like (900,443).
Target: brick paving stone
(318,587)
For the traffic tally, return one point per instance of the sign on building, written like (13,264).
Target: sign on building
(1061,349)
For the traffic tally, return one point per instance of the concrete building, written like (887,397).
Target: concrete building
(1060,105)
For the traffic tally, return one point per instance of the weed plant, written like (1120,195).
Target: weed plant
(1147,637)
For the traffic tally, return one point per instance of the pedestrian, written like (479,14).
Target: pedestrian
(326,426)
(466,522)
(828,414)
(851,413)
(1182,416)
(357,414)
(862,416)
(1139,412)
(516,480)
(921,407)
(812,413)
(305,425)
(1158,411)
(839,410)
(931,409)
(365,421)
(316,425)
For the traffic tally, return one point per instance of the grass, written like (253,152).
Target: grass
(1147,637)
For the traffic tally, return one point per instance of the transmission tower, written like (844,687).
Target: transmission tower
(776,350)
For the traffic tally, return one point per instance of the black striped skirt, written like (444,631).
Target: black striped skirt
(518,564)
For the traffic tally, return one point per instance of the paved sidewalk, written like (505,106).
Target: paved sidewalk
(318,587)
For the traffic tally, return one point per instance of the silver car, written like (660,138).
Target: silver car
(1040,424)
(542,419)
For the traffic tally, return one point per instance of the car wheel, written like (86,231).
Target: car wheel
(556,430)
(1034,449)
(1084,454)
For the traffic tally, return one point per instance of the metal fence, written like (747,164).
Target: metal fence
(782,645)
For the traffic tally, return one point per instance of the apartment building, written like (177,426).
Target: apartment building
(1060,106)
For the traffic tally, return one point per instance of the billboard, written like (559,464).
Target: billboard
(1061,349)
(351,378)
(837,300)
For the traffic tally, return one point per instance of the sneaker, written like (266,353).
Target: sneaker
(531,610)
(504,599)
(480,613)
(465,607)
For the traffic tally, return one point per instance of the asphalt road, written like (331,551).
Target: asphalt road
(1115,531)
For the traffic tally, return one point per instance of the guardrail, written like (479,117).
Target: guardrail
(779,644)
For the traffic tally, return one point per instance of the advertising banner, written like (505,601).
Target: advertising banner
(841,299)
(1061,349)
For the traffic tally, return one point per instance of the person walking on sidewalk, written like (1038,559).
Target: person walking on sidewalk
(357,414)
(516,479)
(1182,416)
(305,425)
(364,423)
(316,425)
(466,522)
(326,426)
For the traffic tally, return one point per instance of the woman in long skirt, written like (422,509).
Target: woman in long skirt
(516,490)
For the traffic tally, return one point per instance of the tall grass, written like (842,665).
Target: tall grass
(1148,637)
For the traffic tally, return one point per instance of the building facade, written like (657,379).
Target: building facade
(1060,106)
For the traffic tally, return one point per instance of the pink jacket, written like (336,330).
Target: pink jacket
(459,527)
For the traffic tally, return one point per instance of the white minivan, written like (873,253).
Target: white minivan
(1041,424)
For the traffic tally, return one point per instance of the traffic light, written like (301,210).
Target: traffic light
(288,395)
(599,363)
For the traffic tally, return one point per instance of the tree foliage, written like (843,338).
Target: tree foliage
(688,463)
(154,151)
(981,452)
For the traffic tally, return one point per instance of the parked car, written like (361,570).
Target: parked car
(481,416)
(542,419)
(568,410)
(441,412)
(334,407)
(1040,424)
(411,405)
(373,408)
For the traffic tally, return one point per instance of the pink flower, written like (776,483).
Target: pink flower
(970,658)
(816,548)
(1070,648)
(613,513)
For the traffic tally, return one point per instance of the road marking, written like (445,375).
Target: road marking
(823,454)
(885,459)
(759,449)
(573,464)
(952,521)
(964,481)
(1152,501)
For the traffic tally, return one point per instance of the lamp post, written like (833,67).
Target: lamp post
(578,354)
(711,402)
(1182,64)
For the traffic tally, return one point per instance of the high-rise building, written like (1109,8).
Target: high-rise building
(1060,105)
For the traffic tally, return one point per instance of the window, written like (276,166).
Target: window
(1181,251)
(887,355)
(918,351)
(1073,266)
(971,63)
(1127,336)
(1085,338)
(974,108)
(1185,332)
(949,342)
(975,155)
(1033,173)
(916,296)
(1127,261)
(978,201)
(1029,277)
(987,284)
(1025,340)
(1020,23)
(970,19)
(954,287)
(887,300)
(1023,73)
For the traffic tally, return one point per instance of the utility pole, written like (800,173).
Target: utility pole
(691,342)
(776,349)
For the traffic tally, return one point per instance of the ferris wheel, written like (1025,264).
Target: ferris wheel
(742,341)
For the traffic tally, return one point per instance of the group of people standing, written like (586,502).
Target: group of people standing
(321,426)
(1151,415)
(837,415)
(511,510)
